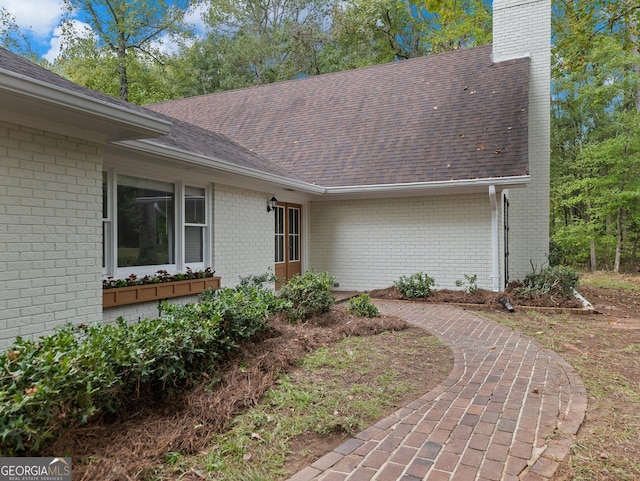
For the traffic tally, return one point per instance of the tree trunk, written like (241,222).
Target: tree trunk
(122,67)
(616,264)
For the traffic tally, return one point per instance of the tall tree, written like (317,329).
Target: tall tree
(11,37)
(595,138)
(375,31)
(261,41)
(130,26)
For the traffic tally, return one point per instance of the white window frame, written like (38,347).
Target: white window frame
(110,229)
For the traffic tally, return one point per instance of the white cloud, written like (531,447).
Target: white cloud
(169,44)
(39,17)
(194,17)
(78,30)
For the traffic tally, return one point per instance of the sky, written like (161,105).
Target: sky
(40,20)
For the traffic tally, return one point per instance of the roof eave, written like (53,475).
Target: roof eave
(428,188)
(29,97)
(214,163)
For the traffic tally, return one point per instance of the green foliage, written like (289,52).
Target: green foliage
(11,36)
(123,45)
(595,161)
(66,378)
(308,295)
(470,281)
(418,284)
(556,281)
(362,306)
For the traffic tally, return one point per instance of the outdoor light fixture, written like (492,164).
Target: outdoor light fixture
(271,204)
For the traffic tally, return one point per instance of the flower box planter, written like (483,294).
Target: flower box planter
(120,296)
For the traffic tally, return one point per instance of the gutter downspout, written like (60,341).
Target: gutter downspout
(495,261)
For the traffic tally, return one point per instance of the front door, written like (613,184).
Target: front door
(288,254)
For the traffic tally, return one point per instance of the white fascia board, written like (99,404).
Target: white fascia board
(69,100)
(160,150)
(501,182)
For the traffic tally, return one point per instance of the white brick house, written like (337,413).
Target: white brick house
(372,183)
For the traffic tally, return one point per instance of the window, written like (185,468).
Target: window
(279,230)
(146,222)
(150,225)
(106,220)
(194,224)
(294,234)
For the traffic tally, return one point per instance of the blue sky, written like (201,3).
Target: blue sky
(40,20)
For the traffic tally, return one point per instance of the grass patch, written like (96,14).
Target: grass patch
(336,392)
(609,280)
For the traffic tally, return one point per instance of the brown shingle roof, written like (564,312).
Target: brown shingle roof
(182,135)
(193,139)
(454,116)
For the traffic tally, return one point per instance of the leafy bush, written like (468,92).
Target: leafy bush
(67,377)
(415,285)
(470,281)
(557,280)
(308,295)
(362,306)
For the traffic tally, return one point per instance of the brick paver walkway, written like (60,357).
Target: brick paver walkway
(508,411)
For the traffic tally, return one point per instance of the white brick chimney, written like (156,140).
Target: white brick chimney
(523,28)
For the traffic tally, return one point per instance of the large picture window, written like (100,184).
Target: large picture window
(146,222)
(151,224)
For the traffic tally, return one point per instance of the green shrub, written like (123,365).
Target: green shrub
(471,282)
(557,280)
(415,285)
(308,295)
(67,377)
(362,306)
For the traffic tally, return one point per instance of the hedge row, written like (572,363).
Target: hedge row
(66,378)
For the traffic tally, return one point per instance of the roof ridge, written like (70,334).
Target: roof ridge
(328,74)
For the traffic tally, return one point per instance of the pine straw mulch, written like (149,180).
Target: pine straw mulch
(483,297)
(130,445)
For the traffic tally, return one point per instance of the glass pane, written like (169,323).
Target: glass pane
(146,222)
(106,232)
(279,220)
(105,197)
(279,232)
(279,248)
(294,234)
(194,205)
(193,244)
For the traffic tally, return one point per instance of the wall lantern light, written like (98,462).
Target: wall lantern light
(272,203)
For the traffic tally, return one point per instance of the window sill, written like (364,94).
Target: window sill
(120,296)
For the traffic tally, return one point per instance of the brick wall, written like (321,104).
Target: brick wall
(243,233)
(50,231)
(522,27)
(370,243)
(142,310)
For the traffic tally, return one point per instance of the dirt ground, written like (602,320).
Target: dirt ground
(604,346)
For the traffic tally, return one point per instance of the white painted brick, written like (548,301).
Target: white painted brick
(241,248)
(38,168)
(524,27)
(369,244)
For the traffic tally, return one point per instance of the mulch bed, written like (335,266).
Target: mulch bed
(130,445)
(482,297)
